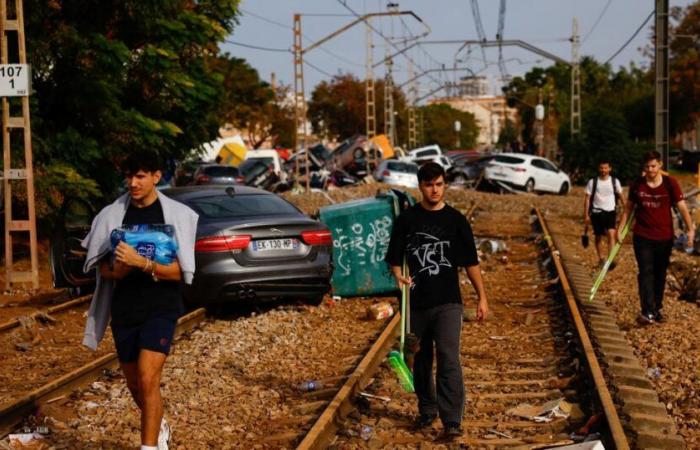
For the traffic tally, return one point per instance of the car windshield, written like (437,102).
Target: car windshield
(221,171)
(224,206)
(402,167)
(508,159)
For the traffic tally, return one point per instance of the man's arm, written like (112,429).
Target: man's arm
(586,212)
(115,271)
(482,307)
(400,279)
(629,206)
(683,208)
(128,255)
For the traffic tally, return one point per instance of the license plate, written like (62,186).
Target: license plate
(275,244)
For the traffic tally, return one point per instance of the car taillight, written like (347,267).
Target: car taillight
(518,169)
(203,179)
(317,237)
(222,243)
(386,173)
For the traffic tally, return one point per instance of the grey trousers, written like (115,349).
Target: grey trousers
(440,326)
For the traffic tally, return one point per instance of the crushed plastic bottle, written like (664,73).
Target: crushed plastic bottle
(366,432)
(653,372)
(311,385)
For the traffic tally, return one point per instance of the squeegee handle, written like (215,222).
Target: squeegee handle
(613,253)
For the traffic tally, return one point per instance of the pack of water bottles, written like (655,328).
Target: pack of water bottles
(155,242)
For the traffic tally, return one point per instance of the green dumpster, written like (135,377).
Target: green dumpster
(361,230)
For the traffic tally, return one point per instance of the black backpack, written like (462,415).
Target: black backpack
(615,182)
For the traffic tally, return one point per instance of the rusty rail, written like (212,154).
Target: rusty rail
(326,425)
(12,413)
(13,323)
(614,423)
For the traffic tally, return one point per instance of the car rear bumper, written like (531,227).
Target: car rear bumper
(307,280)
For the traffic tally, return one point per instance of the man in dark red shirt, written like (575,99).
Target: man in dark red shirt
(652,198)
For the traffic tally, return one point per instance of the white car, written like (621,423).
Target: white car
(527,172)
(399,173)
(430,153)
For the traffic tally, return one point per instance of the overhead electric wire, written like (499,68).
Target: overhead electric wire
(386,39)
(597,21)
(479,25)
(631,38)
(287,27)
(318,69)
(257,47)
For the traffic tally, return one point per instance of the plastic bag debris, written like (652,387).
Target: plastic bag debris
(545,413)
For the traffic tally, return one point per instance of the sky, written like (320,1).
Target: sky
(604,26)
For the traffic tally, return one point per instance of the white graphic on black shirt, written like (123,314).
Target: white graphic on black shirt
(431,255)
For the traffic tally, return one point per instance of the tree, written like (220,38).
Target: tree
(117,77)
(337,108)
(685,69)
(439,119)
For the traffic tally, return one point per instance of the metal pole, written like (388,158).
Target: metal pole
(661,63)
(389,103)
(370,107)
(575,81)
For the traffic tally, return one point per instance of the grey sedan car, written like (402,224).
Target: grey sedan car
(251,244)
(254,244)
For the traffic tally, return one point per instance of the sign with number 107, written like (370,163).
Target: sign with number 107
(14,80)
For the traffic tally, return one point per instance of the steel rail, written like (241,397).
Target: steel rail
(614,423)
(326,425)
(12,412)
(13,323)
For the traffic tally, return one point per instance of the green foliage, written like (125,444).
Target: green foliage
(337,108)
(685,69)
(251,104)
(605,135)
(439,119)
(117,77)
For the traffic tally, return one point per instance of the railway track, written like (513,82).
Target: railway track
(62,307)
(534,351)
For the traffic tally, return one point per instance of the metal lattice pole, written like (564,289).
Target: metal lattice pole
(300,101)
(389,103)
(661,63)
(575,81)
(12,225)
(371,114)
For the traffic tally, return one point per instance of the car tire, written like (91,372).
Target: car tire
(314,301)
(564,189)
(358,153)
(530,186)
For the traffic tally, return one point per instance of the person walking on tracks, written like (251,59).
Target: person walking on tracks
(602,195)
(142,296)
(436,240)
(651,198)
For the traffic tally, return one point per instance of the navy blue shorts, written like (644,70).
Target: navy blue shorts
(155,334)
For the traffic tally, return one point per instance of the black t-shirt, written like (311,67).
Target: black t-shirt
(436,244)
(137,296)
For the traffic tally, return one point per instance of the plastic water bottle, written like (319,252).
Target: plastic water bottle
(366,432)
(311,385)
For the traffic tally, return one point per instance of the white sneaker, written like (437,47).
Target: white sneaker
(163,435)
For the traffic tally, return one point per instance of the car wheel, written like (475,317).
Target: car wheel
(530,186)
(314,301)
(564,189)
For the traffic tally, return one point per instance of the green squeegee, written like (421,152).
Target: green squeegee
(611,257)
(396,359)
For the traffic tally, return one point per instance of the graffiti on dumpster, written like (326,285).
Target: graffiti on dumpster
(362,245)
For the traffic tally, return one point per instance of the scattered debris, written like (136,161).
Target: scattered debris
(376,397)
(380,310)
(559,408)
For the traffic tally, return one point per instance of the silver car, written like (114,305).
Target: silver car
(398,173)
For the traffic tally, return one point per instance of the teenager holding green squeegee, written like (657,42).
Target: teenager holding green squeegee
(436,240)
(651,199)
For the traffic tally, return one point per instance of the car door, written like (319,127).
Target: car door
(66,255)
(553,174)
(543,180)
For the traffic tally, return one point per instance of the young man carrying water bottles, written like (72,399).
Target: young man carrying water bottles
(142,296)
